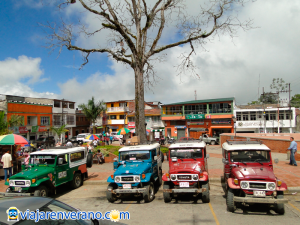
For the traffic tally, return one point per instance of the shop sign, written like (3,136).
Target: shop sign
(194,116)
(195,123)
(34,129)
(131,124)
(42,129)
(221,121)
(23,130)
(180,127)
(207,116)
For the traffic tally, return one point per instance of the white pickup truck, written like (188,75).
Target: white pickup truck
(209,140)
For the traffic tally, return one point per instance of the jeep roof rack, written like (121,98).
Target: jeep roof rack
(243,141)
(190,141)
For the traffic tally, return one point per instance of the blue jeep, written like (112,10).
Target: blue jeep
(138,172)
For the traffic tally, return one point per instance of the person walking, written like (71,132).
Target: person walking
(7,164)
(111,139)
(293,149)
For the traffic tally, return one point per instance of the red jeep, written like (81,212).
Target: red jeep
(249,177)
(187,171)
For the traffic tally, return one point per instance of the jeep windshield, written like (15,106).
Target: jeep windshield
(134,155)
(42,159)
(250,156)
(186,153)
(41,139)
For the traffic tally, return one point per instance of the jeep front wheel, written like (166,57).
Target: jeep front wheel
(205,194)
(109,195)
(77,180)
(89,160)
(231,207)
(149,193)
(41,191)
(167,195)
(279,208)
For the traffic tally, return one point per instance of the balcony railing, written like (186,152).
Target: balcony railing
(173,112)
(117,109)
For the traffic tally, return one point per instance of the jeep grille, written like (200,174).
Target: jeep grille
(184,177)
(258,185)
(126,178)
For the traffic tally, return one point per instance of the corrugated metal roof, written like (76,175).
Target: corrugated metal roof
(202,101)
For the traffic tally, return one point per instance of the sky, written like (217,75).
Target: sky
(238,67)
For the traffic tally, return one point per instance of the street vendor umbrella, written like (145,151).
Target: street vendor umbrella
(92,137)
(123,131)
(13,139)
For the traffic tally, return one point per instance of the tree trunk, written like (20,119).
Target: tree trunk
(140,127)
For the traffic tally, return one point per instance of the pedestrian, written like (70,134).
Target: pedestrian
(95,143)
(111,139)
(7,165)
(107,140)
(99,156)
(121,140)
(293,149)
(69,144)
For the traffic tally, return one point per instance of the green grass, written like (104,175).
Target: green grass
(109,148)
(164,149)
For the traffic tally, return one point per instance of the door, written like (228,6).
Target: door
(180,133)
(154,162)
(62,170)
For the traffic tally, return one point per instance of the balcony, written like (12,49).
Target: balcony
(173,112)
(115,122)
(117,109)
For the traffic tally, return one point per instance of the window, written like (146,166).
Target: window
(195,109)
(273,116)
(71,105)
(64,157)
(281,116)
(113,117)
(122,117)
(123,104)
(57,104)
(177,122)
(77,156)
(82,131)
(70,120)
(287,114)
(65,105)
(131,119)
(77,118)
(57,120)
(252,115)
(45,120)
(238,116)
(155,118)
(267,116)
(245,116)
(112,105)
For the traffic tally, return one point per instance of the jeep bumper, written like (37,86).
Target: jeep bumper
(128,191)
(185,190)
(260,200)
(11,194)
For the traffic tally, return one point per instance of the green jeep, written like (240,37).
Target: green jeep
(50,168)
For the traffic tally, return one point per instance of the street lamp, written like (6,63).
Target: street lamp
(234,122)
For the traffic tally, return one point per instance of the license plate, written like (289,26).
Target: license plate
(18,188)
(126,186)
(259,193)
(184,184)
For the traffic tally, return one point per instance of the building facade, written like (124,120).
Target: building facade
(193,118)
(267,118)
(82,124)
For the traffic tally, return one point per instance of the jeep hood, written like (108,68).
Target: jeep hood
(185,166)
(254,172)
(33,172)
(133,169)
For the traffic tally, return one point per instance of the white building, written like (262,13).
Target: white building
(266,118)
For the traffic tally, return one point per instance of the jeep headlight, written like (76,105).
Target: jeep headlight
(173,177)
(195,177)
(117,179)
(11,183)
(271,186)
(244,185)
(27,183)
(137,179)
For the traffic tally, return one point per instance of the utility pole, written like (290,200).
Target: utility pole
(195,95)
(290,107)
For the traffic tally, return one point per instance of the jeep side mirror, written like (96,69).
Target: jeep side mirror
(174,159)
(276,161)
(207,156)
(224,161)
(60,161)
(155,157)
(115,159)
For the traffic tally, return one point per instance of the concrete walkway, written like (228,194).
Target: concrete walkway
(98,174)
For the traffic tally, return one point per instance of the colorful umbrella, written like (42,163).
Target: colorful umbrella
(13,139)
(123,131)
(92,137)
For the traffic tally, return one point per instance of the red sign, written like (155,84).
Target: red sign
(42,129)
(23,130)
(131,124)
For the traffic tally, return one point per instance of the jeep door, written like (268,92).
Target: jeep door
(154,163)
(62,170)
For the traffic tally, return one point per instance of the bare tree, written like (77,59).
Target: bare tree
(136,27)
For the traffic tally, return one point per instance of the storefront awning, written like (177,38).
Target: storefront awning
(220,127)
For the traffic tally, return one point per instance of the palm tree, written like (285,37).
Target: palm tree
(59,131)
(3,124)
(92,110)
(15,120)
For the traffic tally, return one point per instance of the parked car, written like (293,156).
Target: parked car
(81,137)
(209,140)
(249,177)
(45,141)
(50,168)
(137,172)
(187,173)
(42,204)
(74,141)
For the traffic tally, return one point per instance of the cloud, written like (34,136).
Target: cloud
(17,74)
